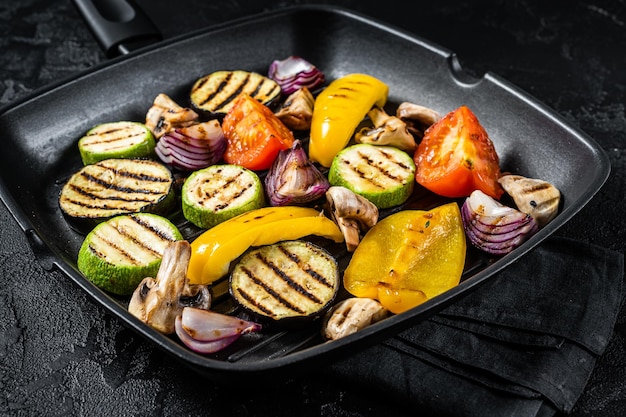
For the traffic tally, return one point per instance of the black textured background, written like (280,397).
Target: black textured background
(62,355)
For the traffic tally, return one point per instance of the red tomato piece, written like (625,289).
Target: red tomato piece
(254,135)
(456,157)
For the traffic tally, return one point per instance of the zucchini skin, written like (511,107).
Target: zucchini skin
(217,193)
(286,283)
(119,253)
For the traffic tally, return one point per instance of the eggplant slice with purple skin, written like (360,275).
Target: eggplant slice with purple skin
(286,282)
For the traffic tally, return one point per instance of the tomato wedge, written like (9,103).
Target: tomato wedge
(456,157)
(254,135)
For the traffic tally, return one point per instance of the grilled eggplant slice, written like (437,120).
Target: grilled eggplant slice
(220,192)
(116,140)
(215,93)
(117,186)
(286,281)
(120,252)
(385,175)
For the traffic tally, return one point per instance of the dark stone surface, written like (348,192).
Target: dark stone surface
(60,354)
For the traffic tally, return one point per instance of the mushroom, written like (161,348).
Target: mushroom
(387,130)
(166,115)
(417,118)
(351,315)
(158,301)
(535,197)
(297,110)
(352,213)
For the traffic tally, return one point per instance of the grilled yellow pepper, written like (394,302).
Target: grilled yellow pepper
(214,250)
(338,110)
(409,257)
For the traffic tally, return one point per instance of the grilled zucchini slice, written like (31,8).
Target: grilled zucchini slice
(220,192)
(116,140)
(215,93)
(117,186)
(385,175)
(288,280)
(120,252)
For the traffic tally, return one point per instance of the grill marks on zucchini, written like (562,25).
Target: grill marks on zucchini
(287,279)
(118,253)
(217,91)
(116,140)
(376,168)
(116,186)
(385,175)
(219,192)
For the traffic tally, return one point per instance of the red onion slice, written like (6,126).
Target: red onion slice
(493,227)
(193,147)
(294,73)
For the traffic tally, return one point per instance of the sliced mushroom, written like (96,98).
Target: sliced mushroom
(533,196)
(387,130)
(158,301)
(351,315)
(297,110)
(417,118)
(352,213)
(166,115)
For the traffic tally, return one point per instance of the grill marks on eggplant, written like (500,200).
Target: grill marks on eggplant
(132,240)
(115,186)
(217,91)
(288,279)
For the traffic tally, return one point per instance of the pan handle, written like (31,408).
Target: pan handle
(120,26)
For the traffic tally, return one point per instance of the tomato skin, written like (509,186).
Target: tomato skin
(456,157)
(254,135)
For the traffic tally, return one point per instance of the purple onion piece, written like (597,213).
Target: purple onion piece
(494,227)
(294,179)
(209,326)
(200,346)
(192,147)
(294,73)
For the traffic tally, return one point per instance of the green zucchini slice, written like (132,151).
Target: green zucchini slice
(385,175)
(219,192)
(116,140)
(120,252)
(288,280)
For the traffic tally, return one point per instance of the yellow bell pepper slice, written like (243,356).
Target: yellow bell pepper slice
(338,110)
(409,257)
(213,252)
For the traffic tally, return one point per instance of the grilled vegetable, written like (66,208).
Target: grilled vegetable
(216,92)
(409,257)
(117,186)
(294,72)
(286,280)
(456,157)
(119,253)
(296,111)
(354,214)
(206,331)
(158,301)
(166,115)
(116,140)
(216,248)
(351,315)
(338,110)
(195,147)
(220,192)
(382,174)
(294,179)
(254,135)
(494,227)
(533,196)
(387,130)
